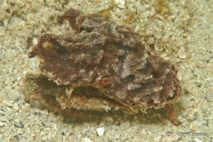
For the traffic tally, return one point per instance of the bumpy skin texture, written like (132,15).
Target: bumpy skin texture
(109,58)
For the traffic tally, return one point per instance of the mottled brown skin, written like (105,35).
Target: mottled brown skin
(108,58)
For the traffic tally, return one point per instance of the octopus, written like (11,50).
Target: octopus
(100,66)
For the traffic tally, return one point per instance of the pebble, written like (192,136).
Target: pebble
(170,137)
(19,125)
(16,107)
(2,112)
(197,140)
(2,124)
(117,137)
(87,139)
(100,131)
(3,119)
(120,3)
(7,103)
(183,56)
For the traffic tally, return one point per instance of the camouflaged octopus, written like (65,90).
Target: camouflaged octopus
(100,67)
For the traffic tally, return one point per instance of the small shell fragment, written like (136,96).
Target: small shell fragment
(100,131)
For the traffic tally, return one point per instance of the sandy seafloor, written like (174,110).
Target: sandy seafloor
(178,30)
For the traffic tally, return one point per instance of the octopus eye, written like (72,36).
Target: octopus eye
(105,81)
(156,73)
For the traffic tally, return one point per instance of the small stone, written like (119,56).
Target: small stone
(116,137)
(7,103)
(120,3)
(60,117)
(35,41)
(3,119)
(197,140)
(17,137)
(170,137)
(87,139)
(2,124)
(16,107)
(100,131)
(164,56)
(19,125)
(183,56)
(54,126)
(1,112)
